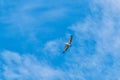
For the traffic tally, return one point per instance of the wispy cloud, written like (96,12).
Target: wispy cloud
(26,67)
(98,41)
(52,47)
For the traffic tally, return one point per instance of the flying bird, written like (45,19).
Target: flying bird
(68,44)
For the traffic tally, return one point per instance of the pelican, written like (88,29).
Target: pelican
(68,44)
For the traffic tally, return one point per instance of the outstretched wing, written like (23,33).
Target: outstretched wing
(70,39)
(66,47)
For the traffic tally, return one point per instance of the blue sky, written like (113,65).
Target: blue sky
(33,33)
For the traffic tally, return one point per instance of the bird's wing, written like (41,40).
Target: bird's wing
(70,39)
(66,47)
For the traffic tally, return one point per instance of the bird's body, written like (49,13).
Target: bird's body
(68,44)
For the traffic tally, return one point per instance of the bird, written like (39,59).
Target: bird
(68,44)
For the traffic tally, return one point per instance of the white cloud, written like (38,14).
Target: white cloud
(52,47)
(109,7)
(24,67)
(99,59)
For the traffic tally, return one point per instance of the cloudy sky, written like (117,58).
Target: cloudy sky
(33,33)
